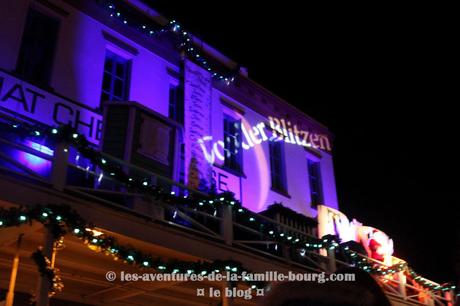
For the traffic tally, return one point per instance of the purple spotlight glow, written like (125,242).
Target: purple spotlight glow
(39,147)
(34,162)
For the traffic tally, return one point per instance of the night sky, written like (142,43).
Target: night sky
(382,79)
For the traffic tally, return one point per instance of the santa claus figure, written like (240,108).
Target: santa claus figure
(376,246)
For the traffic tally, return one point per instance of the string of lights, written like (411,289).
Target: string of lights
(185,44)
(62,220)
(210,203)
(45,269)
(383,270)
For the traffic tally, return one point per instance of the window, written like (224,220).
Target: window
(277,166)
(115,79)
(232,144)
(176,103)
(314,174)
(38,44)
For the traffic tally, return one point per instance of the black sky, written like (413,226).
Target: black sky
(383,80)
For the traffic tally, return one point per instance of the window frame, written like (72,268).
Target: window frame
(230,165)
(316,196)
(176,105)
(44,80)
(279,173)
(117,59)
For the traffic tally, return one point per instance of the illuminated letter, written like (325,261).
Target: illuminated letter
(254,133)
(285,133)
(20,98)
(216,150)
(35,95)
(57,106)
(207,156)
(290,134)
(275,125)
(305,142)
(296,133)
(79,123)
(247,137)
(313,140)
(261,127)
(324,143)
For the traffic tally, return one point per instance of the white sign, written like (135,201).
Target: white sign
(197,106)
(224,182)
(20,98)
(284,130)
(333,222)
(280,130)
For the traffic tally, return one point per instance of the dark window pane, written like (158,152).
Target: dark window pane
(314,174)
(176,103)
(106,83)
(277,166)
(120,72)
(232,143)
(118,88)
(104,96)
(108,65)
(115,79)
(37,47)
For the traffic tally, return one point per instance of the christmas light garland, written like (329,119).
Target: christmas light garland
(45,269)
(185,39)
(62,220)
(207,204)
(382,270)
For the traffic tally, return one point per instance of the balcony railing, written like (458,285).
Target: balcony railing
(61,166)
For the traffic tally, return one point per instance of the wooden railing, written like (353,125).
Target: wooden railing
(70,172)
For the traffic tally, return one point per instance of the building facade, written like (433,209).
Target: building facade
(175,116)
(75,57)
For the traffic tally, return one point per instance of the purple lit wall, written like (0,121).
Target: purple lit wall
(256,186)
(33,162)
(84,46)
(28,160)
(77,75)
(10,32)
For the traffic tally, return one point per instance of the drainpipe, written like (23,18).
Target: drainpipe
(14,273)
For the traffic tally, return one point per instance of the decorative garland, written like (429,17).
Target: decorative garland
(425,283)
(384,270)
(209,204)
(45,269)
(185,39)
(280,209)
(372,266)
(62,220)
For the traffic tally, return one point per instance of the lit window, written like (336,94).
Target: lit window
(277,166)
(176,103)
(115,80)
(36,55)
(314,174)
(233,153)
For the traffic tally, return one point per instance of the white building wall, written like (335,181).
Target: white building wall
(13,14)
(77,74)
(256,189)
(79,57)
(83,70)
